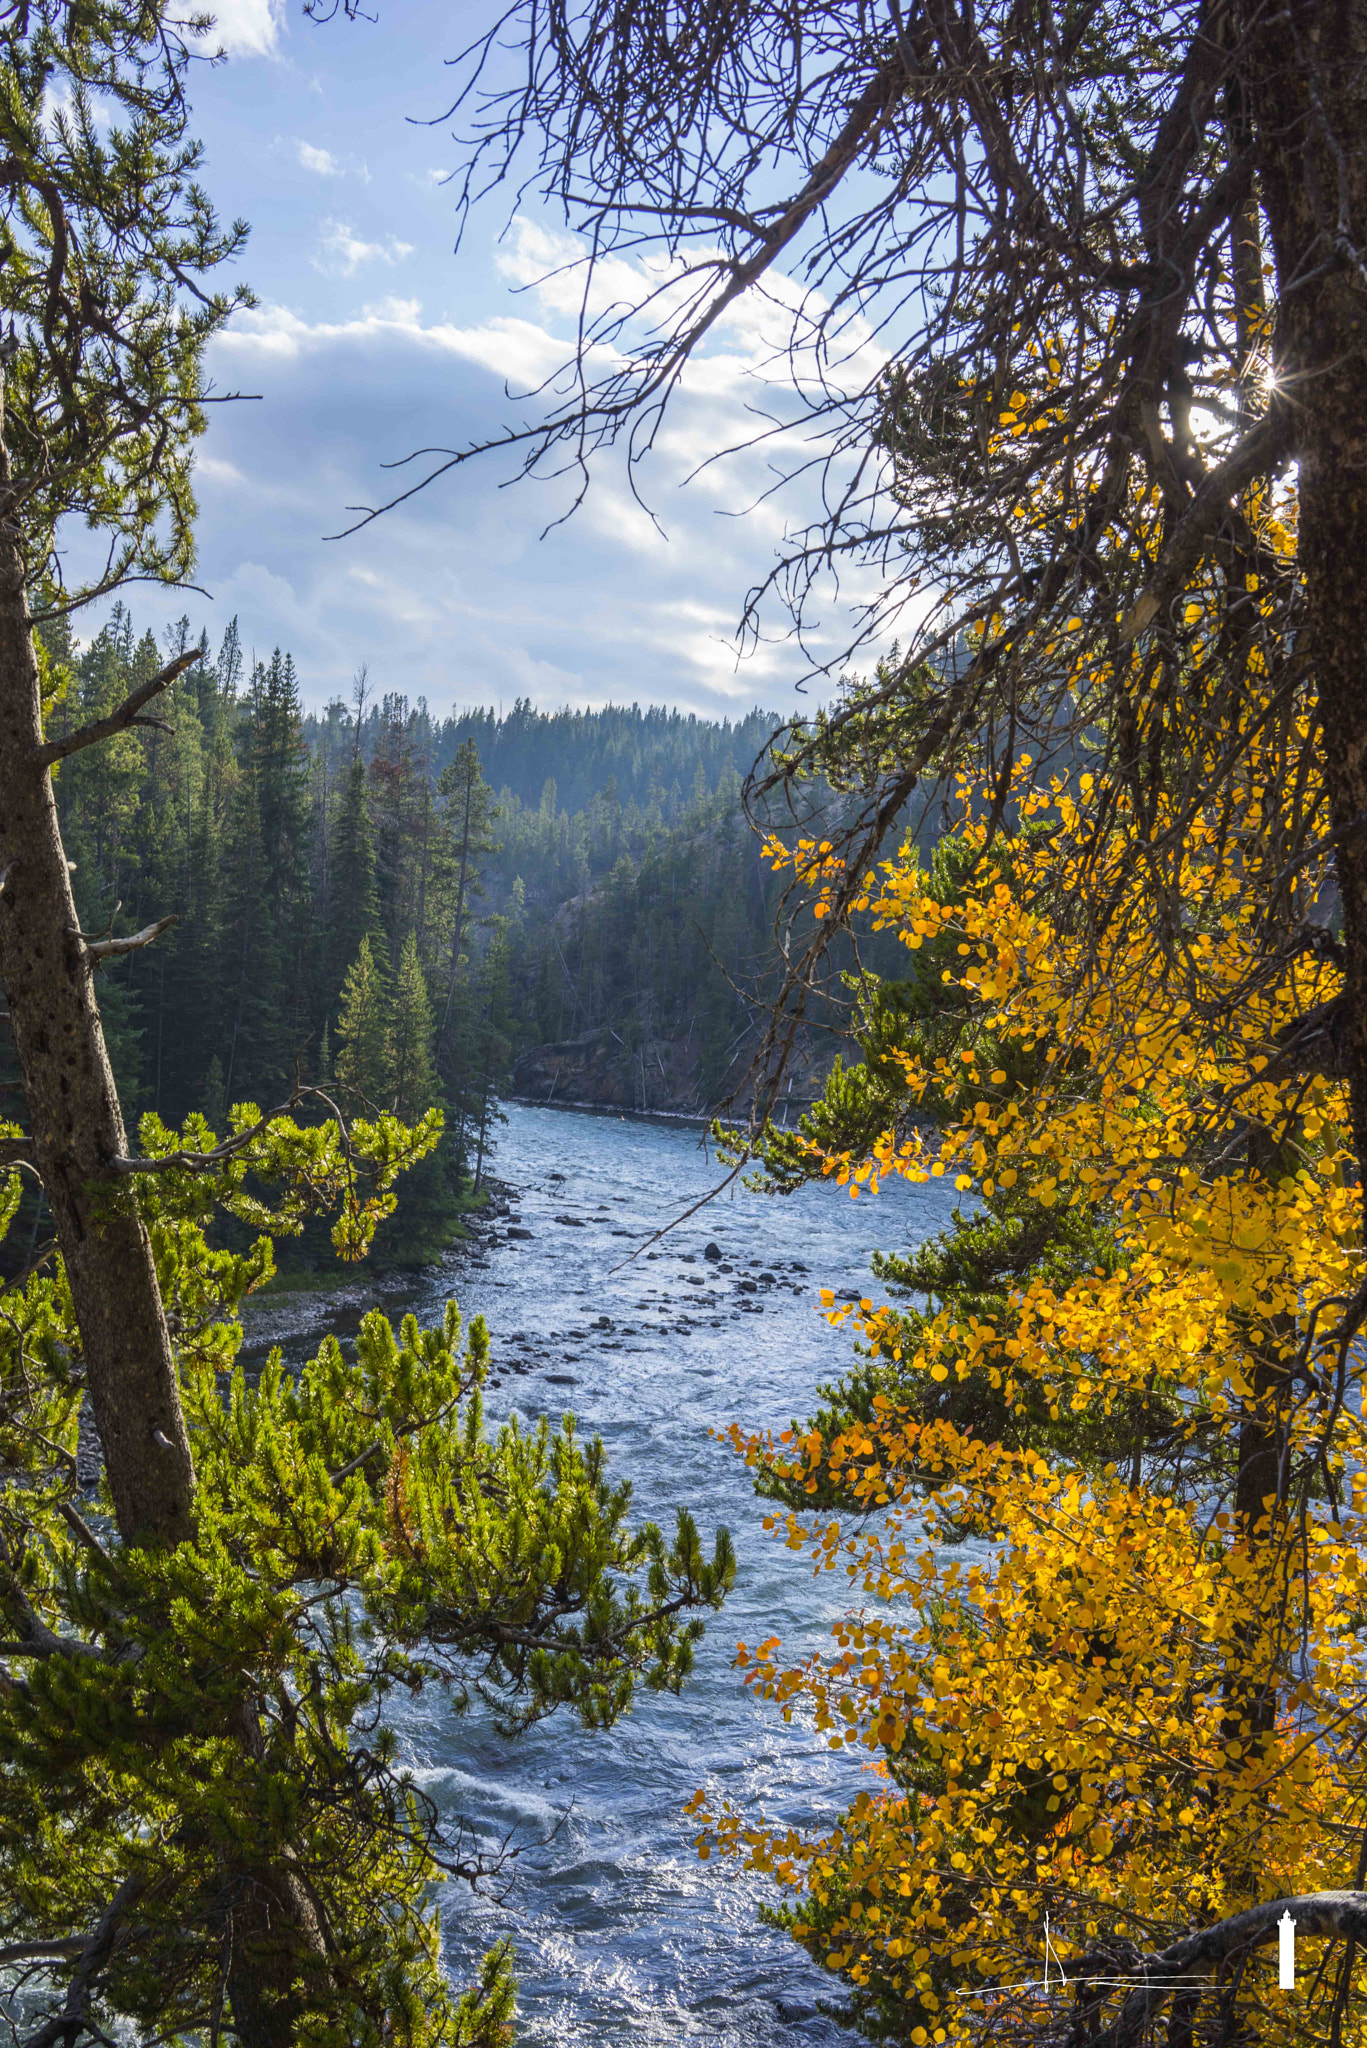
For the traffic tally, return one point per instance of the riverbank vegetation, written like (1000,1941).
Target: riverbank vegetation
(1077,328)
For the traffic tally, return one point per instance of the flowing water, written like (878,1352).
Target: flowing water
(621,1934)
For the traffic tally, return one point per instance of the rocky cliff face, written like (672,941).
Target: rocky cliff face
(661,1077)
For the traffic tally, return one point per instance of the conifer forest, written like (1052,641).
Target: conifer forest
(683,1237)
(358,906)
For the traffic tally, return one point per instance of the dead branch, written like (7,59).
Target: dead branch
(112,949)
(36,1638)
(1255,456)
(120,720)
(40,1951)
(95,1952)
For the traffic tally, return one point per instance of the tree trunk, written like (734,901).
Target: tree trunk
(1308,92)
(483,1127)
(77,1128)
(77,1131)
(458,922)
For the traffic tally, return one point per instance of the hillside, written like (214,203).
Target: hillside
(410,910)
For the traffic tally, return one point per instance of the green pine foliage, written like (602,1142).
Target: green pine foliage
(414,1071)
(350,900)
(359,1535)
(364,1062)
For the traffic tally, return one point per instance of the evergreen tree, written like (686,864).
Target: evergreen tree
(470,814)
(250,961)
(494,1043)
(364,1062)
(414,1073)
(283,772)
(352,907)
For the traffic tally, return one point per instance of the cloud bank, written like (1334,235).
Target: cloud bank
(455,595)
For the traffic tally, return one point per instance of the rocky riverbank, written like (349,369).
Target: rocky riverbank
(277,1316)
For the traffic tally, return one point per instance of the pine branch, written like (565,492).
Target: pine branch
(205,1162)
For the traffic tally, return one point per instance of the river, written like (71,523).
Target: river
(621,1934)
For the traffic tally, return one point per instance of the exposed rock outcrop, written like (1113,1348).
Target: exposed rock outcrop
(660,1077)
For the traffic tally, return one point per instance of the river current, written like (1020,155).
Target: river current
(620,1933)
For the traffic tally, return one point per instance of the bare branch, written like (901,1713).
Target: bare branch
(37,1639)
(113,949)
(37,1951)
(94,1955)
(120,720)
(1254,456)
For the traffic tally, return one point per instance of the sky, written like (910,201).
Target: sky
(372,337)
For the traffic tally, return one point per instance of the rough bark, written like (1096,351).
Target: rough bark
(1307,78)
(77,1133)
(77,1128)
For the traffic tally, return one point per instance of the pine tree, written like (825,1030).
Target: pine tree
(283,769)
(470,812)
(494,1042)
(250,963)
(352,909)
(415,1084)
(364,1062)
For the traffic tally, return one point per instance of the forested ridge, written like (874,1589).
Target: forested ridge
(513,879)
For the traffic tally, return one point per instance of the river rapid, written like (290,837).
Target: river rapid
(620,1933)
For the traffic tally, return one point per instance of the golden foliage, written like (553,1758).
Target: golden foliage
(1134,1704)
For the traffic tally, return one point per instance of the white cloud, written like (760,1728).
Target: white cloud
(322,161)
(248,28)
(259,597)
(453,593)
(517,350)
(211,469)
(345,252)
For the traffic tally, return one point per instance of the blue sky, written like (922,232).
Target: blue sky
(371,337)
